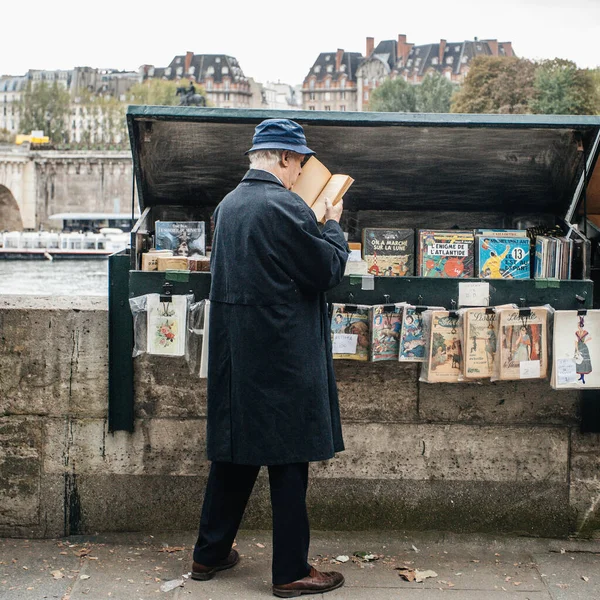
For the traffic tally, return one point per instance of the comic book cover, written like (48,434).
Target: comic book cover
(480,337)
(523,343)
(386,325)
(350,331)
(184,238)
(503,257)
(413,334)
(445,349)
(576,350)
(446,254)
(389,252)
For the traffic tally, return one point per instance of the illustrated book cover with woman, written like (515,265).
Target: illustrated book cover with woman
(445,348)
(523,343)
(576,349)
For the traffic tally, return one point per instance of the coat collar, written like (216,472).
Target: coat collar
(260,175)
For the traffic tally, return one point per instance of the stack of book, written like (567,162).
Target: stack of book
(553,256)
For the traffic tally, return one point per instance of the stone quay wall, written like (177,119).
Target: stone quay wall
(490,457)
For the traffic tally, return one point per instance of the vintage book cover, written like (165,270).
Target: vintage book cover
(184,238)
(166,325)
(386,324)
(480,340)
(576,350)
(503,257)
(523,343)
(389,252)
(446,254)
(444,362)
(316,183)
(413,334)
(350,331)
(512,233)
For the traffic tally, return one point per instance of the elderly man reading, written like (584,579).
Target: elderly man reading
(272,396)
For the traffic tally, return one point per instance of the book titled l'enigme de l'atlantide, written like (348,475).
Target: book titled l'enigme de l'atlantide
(445,254)
(316,183)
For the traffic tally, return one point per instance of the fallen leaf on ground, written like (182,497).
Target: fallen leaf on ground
(171,585)
(415,549)
(414,574)
(172,549)
(84,577)
(366,556)
(585,578)
(260,545)
(342,558)
(57,574)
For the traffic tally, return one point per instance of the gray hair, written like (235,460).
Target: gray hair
(264,159)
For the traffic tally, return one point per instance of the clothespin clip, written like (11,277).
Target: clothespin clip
(167,292)
(351,307)
(523,311)
(581,312)
(490,310)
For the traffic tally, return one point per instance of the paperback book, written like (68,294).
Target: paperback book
(446,254)
(183,238)
(414,334)
(386,325)
(503,257)
(350,331)
(389,252)
(576,350)
(444,362)
(523,343)
(480,339)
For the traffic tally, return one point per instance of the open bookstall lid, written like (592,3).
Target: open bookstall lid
(515,164)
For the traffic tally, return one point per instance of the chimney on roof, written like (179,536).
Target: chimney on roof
(441,51)
(508,50)
(403,49)
(370,46)
(188,62)
(338,58)
(493,44)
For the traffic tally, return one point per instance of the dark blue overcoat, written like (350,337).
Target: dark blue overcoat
(272,396)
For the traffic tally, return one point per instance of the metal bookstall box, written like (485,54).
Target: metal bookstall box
(434,171)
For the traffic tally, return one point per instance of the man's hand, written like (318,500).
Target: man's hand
(333,212)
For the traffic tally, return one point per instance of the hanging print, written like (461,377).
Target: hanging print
(166,325)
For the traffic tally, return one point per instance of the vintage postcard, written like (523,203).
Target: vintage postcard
(350,331)
(386,325)
(576,350)
(523,343)
(445,349)
(166,325)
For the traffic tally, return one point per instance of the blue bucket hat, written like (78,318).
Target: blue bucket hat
(280,134)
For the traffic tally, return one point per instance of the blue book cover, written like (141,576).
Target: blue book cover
(503,257)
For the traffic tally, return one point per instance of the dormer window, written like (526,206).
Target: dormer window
(343,68)
(192,70)
(179,71)
(456,48)
(218,59)
(210,70)
(225,71)
(327,57)
(168,71)
(329,68)
(449,60)
(434,60)
(318,69)
(178,61)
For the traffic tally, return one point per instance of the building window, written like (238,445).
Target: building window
(210,70)
(464,59)
(328,107)
(311,84)
(168,71)
(192,70)
(342,95)
(456,48)
(366,95)
(178,60)
(218,59)
(317,69)
(311,108)
(311,96)
(226,96)
(327,57)
(449,60)
(342,108)
(179,71)
(329,68)
(225,70)
(327,83)
(327,96)
(434,60)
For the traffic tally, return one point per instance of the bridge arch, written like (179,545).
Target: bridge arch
(10,214)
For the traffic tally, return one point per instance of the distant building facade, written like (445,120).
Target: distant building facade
(221,76)
(331,82)
(346,80)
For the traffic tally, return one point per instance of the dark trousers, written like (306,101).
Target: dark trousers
(227,492)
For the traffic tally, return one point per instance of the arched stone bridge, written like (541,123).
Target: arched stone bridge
(36,184)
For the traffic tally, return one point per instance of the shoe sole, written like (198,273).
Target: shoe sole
(297,593)
(210,574)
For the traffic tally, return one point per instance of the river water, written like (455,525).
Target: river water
(54,278)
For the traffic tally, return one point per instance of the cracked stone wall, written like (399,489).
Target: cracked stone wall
(494,457)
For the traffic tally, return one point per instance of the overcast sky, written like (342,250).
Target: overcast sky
(279,39)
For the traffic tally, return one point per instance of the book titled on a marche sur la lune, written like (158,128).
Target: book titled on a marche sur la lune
(316,183)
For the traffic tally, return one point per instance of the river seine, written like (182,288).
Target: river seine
(54,278)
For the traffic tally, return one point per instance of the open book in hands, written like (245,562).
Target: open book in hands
(316,183)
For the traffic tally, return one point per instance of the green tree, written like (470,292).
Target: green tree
(394,95)
(159,91)
(496,85)
(563,89)
(45,106)
(434,94)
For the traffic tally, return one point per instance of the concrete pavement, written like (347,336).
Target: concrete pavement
(468,567)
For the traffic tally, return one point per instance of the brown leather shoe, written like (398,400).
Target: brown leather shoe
(203,573)
(316,582)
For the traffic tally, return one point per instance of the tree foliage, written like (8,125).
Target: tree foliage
(159,91)
(394,95)
(434,94)
(563,89)
(45,106)
(496,85)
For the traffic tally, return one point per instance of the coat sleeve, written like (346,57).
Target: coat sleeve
(315,259)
